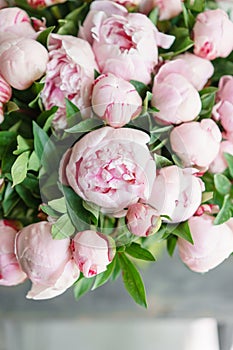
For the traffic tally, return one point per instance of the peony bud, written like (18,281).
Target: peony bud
(10,271)
(93,251)
(142,220)
(212,244)
(196,143)
(115,100)
(46,261)
(5,95)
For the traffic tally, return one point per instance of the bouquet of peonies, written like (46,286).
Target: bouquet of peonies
(116,133)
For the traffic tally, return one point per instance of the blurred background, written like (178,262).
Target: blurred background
(186,311)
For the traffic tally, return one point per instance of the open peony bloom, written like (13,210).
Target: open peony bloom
(212,243)
(115,100)
(196,69)
(212,34)
(22,61)
(93,251)
(15,20)
(10,270)
(5,95)
(142,220)
(219,164)
(196,143)
(69,74)
(47,262)
(111,168)
(184,103)
(167,8)
(176,192)
(223,110)
(123,43)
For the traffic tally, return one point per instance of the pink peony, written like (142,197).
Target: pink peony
(223,110)
(112,168)
(115,100)
(123,43)
(22,61)
(212,34)
(167,8)
(142,220)
(43,3)
(70,74)
(196,143)
(219,164)
(15,20)
(177,193)
(212,244)
(93,251)
(46,261)
(198,70)
(184,103)
(10,271)
(5,95)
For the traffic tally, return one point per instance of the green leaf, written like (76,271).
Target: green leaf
(104,277)
(181,44)
(136,251)
(49,211)
(71,109)
(161,129)
(189,19)
(161,161)
(117,269)
(33,163)
(11,199)
(229,159)
(40,140)
(44,36)
(206,196)
(62,228)
(195,5)
(153,15)
(93,209)
(171,244)
(225,212)
(46,116)
(132,280)
(6,138)
(19,168)
(85,126)
(222,184)
(222,66)
(182,230)
(27,196)
(140,87)
(58,205)
(80,217)
(82,286)
(208,100)
(23,145)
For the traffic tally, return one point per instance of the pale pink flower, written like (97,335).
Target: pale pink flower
(47,262)
(184,103)
(15,20)
(176,193)
(93,251)
(167,8)
(142,220)
(22,61)
(197,70)
(219,164)
(212,34)
(115,100)
(223,110)
(212,244)
(123,43)
(43,3)
(196,143)
(69,74)
(112,168)
(10,270)
(5,95)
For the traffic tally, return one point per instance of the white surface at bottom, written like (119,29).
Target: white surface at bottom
(94,334)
